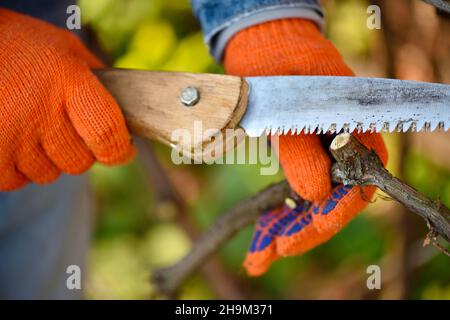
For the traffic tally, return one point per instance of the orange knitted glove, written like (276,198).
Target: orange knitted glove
(296,47)
(55,116)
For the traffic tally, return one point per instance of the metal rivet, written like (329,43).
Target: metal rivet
(190,96)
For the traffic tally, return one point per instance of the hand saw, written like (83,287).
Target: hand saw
(155,104)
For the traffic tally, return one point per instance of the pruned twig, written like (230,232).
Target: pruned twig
(358,166)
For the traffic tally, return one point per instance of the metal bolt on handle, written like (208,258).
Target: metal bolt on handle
(190,96)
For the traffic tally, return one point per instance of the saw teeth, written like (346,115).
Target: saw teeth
(274,131)
(360,127)
(332,128)
(419,125)
(440,126)
(407,127)
(386,127)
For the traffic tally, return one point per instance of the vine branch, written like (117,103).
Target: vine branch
(356,165)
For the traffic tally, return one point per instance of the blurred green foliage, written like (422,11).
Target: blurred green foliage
(346,27)
(428,178)
(132,238)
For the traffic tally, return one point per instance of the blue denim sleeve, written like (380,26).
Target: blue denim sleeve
(221,19)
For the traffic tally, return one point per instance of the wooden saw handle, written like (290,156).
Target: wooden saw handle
(153,108)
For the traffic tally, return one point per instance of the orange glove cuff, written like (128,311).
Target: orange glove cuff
(283,47)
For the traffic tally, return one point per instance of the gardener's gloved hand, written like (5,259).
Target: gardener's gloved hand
(55,116)
(296,47)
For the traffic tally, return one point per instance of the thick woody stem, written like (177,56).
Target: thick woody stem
(358,166)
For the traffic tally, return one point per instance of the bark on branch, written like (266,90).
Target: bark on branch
(358,166)
(355,165)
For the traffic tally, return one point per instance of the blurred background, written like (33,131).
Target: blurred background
(149,211)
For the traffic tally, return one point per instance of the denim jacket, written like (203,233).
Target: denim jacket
(221,19)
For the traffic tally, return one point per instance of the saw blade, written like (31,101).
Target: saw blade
(313,104)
